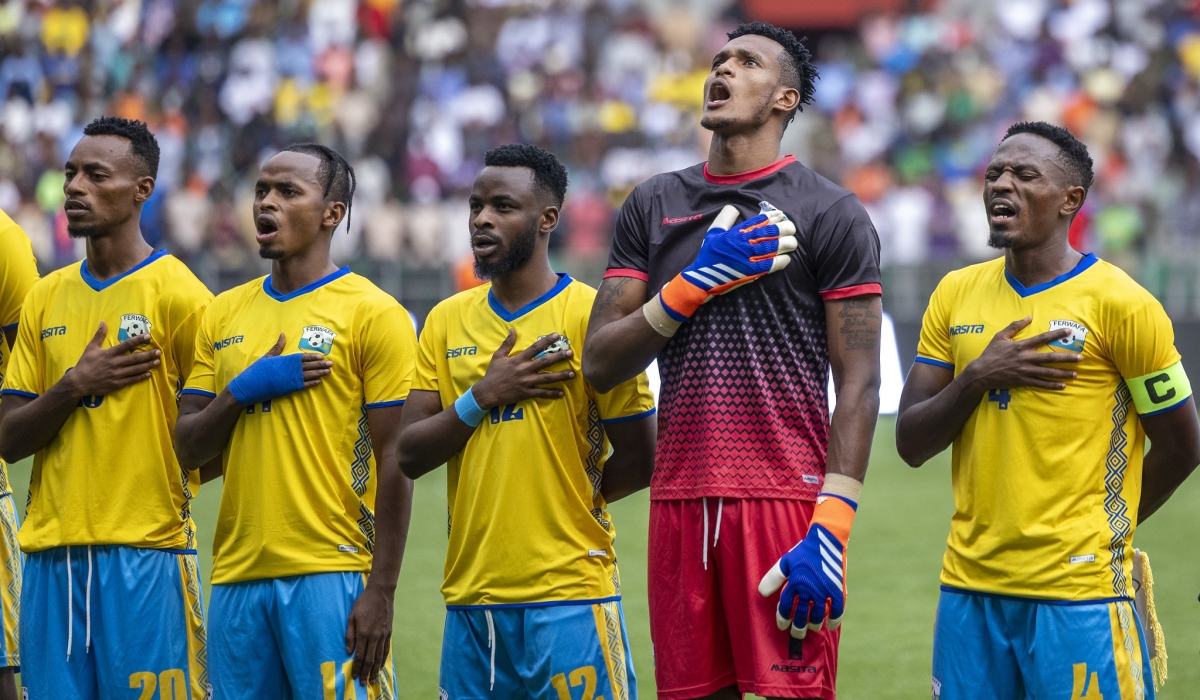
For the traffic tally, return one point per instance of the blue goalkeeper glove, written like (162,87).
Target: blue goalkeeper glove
(813,573)
(269,377)
(730,257)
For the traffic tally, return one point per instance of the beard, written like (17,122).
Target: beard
(270,254)
(717,125)
(513,258)
(1000,240)
(89,231)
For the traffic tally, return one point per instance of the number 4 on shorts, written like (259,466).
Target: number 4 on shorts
(1093,684)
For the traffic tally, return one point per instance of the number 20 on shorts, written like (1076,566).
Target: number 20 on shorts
(171,684)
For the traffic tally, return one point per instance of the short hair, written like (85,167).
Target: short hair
(1074,154)
(796,69)
(334,173)
(142,143)
(549,175)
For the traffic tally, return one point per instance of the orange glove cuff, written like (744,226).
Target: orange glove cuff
(836,514)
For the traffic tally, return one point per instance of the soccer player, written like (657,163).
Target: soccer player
(299,383)
(111,595)
(18,272)
(749,468)
(1046,369)
(534,457)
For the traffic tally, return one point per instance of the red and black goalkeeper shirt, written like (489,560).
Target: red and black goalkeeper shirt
(743,406)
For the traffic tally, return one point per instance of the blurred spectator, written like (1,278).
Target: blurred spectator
(907,112)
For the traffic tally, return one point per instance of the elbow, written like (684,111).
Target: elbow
(912,455)
(9,452)
(596,376)
(911,458)
(409,463)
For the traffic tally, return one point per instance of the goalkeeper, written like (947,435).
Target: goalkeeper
(746,319)
(1046,369)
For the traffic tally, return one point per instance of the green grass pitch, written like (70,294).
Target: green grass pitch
(893,562)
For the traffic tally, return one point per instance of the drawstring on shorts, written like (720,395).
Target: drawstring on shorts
(491,646)
(71,605)
(717,533)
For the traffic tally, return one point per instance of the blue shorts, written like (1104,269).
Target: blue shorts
(286,638)
(531,653)
(988,647)
(134,626)
(10,584)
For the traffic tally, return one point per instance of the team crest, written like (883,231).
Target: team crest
(1073,342)
(132,325)
(560,345)
(317,339)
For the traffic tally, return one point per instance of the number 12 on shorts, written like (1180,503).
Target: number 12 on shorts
(585,676)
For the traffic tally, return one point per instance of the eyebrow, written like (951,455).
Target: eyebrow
(740,52)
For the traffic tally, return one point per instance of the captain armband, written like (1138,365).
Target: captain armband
(1160,391)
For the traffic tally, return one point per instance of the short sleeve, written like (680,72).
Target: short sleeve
(432,346)
(201,376)
(388,357)
(934,346)
(630,400)
(18,271)
(27,366)
(847,252)
(1143,350)
(188,310)
(630,256)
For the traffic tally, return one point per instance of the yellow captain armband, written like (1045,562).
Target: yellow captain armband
(1160,391)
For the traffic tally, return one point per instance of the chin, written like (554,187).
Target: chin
(270,253)
(717,124)
(1002,239)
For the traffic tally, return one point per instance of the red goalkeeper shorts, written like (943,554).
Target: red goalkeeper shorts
(711,629)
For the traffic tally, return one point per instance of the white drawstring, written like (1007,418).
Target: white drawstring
(717,536)
(88,603)
(704,556)
(70,608)
(492,646)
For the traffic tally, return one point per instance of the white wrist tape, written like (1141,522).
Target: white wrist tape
(842,485)
(659,319)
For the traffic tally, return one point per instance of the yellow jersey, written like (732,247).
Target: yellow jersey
(527,521)
(110,476)
(18,272)
(300,478)
(1046,483)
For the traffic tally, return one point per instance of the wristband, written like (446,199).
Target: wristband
(468,409)
(268,378)
(836,514)
(658,317)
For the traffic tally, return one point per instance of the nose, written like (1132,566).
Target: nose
(482,220)
(268,201)
(1004,183)
(73,186)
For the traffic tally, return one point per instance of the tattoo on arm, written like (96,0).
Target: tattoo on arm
(610,291)
(859,324)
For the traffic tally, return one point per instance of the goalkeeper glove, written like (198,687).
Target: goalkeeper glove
(268,377)
(729,257)
(813,573)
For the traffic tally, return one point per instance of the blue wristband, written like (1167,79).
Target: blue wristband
(268,378)
(468,409)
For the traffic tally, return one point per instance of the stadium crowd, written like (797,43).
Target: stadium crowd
(907,110)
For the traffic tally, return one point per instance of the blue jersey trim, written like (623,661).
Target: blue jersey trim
(935,363)
(1087,261)
(11,326)
(385,404)
(277,296)
(101,286)
(563,280)
(1040,601)
(177,551)
(198,392)
(18,392)
(1168,409)
(622,419)
(549,604)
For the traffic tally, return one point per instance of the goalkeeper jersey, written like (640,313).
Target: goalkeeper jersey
(1046,483)
(300,475)
(527,521)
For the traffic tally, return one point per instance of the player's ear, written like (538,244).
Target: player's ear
(1073,201)
(334,213)
(548,221)
(143,189)
(787,99)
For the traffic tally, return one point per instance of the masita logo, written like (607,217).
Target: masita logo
(317,339)
(133,325)
(1073,342)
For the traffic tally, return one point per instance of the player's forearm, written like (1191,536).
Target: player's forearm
(926,428)
(201,436)
(620,350)
(852,428)
(1167,465)
(28,425)
(631,465)
(393,511)
(428,444)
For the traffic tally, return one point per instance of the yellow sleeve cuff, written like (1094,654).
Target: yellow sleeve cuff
(1160,391)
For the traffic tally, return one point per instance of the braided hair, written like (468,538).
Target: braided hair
(334,172)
